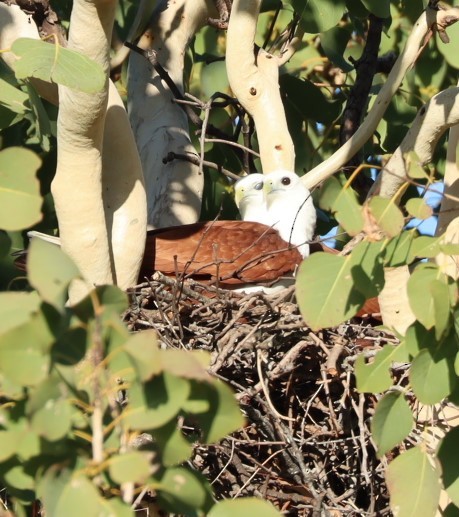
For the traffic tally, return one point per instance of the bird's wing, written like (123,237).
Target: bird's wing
(230,251)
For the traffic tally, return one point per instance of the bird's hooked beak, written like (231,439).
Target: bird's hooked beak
(245,192)
(268,187)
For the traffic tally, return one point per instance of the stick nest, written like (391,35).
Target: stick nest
(306,446)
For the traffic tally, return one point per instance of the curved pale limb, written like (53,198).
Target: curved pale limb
(448,218)
(123,193)
(174,190)
(405,62)
(100,204)
(77,185)
(450,204)
(255,82)
(431,122)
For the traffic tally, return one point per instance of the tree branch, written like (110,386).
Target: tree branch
(405,62)
(254,80)
(366,67)
(160,126)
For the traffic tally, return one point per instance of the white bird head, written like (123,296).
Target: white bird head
(250,198)
(290,208)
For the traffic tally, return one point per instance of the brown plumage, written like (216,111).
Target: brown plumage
(230,252)
(235,252)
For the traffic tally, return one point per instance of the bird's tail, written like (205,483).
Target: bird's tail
(44,237)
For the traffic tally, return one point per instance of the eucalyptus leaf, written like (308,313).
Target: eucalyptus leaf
(391,423)
(319,15)
(185,491)
(26,345)
(432,378)
(156,402)
(325,290)
(387,215)
(420,295)
(448,456)
(413,483)
(20,199)
(16,308)
(375,376)
(53,63)
(50,271)
(418,208)
(131,467)
(344,205)
(13,98)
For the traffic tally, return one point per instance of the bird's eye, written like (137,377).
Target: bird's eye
(286,181)
(258,186)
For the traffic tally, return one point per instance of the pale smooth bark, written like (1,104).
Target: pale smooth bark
(255,82)
(115,199)
(393,300)
(100,204)
(174,190)
(448,218)
(77,186)
(431,122)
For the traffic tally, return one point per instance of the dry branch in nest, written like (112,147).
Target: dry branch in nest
(306,446)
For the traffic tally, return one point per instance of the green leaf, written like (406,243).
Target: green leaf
(432,379)
(131,467)
(418,208)
(325,290)
(420,295)
(20,200)
(413,166)
(16,309)
(417,337)
(57,64)
(380,8)
(18,478)
(26,345)
(54,420)
(399,249)
(185,364)
(367,268)
(448,456)
(13,98)
(450,511)
(387,215)
(174,447)
(214,78)
(391,423)
(10,441)
(319,15)
(79,497)
(142,349)
(184,491)
(334,43)
(425,247)
(112,298)
(50,271)
(375,377)
(318,108)
(17,439)
(344,205)
(222,416)
(244,507)
(440,295)
(448,50)
(413,485)
(156,402)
